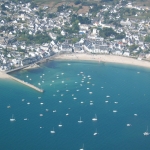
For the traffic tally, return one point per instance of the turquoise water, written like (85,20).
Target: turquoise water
(122,83)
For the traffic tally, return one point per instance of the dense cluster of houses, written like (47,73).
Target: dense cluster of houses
(17,18)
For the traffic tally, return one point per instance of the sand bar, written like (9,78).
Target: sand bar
(105,58)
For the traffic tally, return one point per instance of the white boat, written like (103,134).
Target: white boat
(90,92)
(135,114)
(41,115)
(107,96)
(60,125)
(60,101)
(25,119)
(87,88)
(116,102)
(69,64)
(95,133)
(54,111)
(67,114)
(106,101)
(114,111)
(12,119)
(28,103)
(128,125)
(91,103)
(8,106)
(146,133)
(94,119)
(52,131)
(41,103)
(47,109)
(82,102)
(80,121)
(74,98)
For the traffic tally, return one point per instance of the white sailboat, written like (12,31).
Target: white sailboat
(12,119)
(95,133)
(52,131)
(60,125)
(94,119)
(146,133)
(80,121)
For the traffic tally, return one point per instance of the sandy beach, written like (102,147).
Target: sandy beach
(3,75)
(105,58)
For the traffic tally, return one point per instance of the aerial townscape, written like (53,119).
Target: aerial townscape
(30,32)
(75,74)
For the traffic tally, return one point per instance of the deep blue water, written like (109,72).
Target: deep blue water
(122,83)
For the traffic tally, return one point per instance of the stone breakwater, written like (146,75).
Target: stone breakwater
(27,84)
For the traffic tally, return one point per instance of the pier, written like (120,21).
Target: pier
(27,84)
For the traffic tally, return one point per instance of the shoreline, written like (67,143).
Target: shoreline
(104,58)
(84,56)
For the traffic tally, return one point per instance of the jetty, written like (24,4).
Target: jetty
(26,83)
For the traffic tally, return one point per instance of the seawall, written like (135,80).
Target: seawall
(27,84)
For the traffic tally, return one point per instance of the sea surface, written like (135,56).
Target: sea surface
(74,90)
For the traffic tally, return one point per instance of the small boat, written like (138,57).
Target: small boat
(91,103)
(106,101)
(62,81)
(114,111)
(90,92)
(12,119)
(146,133)
(87,88)
(82,102)
(107,96)
(94,119)
(60,101)
(41,115)
(54,111)
(128,125)
(80,121)
(41,103)
(67,114)
(74,98)
(69,64)
(28,103)
(60,125)
(135,115)
(47,109)
(8,106)
(95,133)
(116,102)
(25,119)
(52,131)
